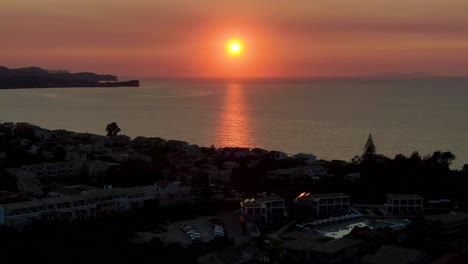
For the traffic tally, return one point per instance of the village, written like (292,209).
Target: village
(266,206)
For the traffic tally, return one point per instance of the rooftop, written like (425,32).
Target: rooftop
(449,218)
(25,204)
(298,235)
(326,195)
(382,259)
(301,245)
(403,195)
(392,254)
(229,255)
(72,190)
(263,199)
(335,246)
(311,196)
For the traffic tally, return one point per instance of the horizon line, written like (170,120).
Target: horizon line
(293,77)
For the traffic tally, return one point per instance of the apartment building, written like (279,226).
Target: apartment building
(88,204)
(403,203)
(326,204)
(265,209)
(53,170)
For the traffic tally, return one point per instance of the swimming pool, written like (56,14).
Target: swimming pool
(340,230)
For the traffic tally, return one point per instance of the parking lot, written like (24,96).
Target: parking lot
(174,234)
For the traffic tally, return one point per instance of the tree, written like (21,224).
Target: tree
(356,160)
(465,168)
(369,148)
(415,157)
(446,158)
(440,158)
(400,158)
(112,129)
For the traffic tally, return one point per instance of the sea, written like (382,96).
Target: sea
(328,117)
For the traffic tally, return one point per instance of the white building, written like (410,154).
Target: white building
(265,209)
(325,204)
(403,203)
(315,170)
(278,155)
(53,170)
(88,203)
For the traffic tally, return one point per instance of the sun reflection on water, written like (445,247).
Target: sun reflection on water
(234,129)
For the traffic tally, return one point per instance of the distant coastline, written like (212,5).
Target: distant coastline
(35,77)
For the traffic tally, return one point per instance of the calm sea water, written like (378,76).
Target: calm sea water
(329,118)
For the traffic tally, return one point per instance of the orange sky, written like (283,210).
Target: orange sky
(281,38)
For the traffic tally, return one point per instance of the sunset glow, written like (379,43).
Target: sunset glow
(307,38)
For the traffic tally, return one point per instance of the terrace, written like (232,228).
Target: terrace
(337,227)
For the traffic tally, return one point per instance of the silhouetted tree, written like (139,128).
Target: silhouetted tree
(415,158)
(369,148)
(400,158)
(440,159)
(465,168)
(446,158)
(112,129)
(356,160)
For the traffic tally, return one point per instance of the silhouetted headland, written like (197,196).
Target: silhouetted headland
(35,77)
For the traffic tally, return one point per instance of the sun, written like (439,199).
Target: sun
(234,47)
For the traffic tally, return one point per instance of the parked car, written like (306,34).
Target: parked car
(195,236)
